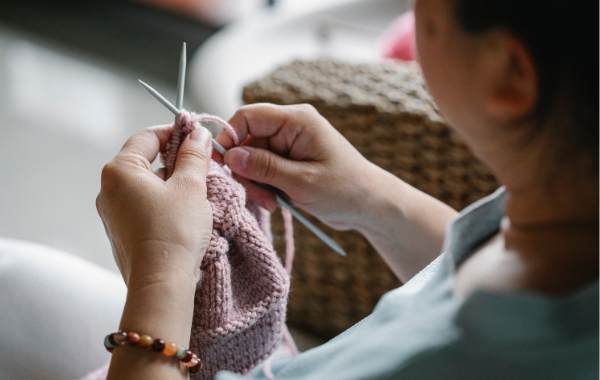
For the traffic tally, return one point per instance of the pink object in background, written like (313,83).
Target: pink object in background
(399,41)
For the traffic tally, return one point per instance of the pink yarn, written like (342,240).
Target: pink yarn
(288,227)
(289,259)
(240,305)
(241,299)
(185,123)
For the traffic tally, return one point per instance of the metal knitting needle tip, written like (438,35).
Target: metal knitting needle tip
(181,76)
(218,147)
(160,98)
(282,203)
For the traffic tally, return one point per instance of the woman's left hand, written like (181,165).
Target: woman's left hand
(159,229)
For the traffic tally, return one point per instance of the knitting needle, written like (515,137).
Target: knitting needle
(280,201)
(181,77)
(311,227)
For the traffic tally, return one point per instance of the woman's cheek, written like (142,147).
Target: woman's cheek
(436,52)
(429,58)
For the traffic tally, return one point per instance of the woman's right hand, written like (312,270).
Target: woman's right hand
(294,149)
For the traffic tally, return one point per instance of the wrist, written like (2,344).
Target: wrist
(159,263)
(381,200)
(160,305)
(160,291)
(161,309)
(173,277)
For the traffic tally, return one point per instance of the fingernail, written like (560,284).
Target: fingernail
(241,156)
(201,136)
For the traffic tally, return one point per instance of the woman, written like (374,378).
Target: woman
(514,293)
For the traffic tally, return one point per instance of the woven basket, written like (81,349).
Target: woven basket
(384,110)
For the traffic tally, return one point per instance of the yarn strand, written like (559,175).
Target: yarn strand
(185,123)
(288,228)
(226,221)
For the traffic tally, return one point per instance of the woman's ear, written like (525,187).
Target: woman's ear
(512,89)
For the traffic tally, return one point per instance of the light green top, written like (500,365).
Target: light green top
(423,331)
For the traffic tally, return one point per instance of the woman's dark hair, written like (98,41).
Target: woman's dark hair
(562,37)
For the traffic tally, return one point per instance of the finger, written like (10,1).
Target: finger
(250,141)
(258,194)
(265,167)
(146,143)
(258,120)
(255,142)
(194,155)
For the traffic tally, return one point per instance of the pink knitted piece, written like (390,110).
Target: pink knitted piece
(241,299)
(240,303)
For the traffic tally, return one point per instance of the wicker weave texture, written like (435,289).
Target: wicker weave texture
(385,111)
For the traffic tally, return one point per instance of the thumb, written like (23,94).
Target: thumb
(263,166)
(194,154)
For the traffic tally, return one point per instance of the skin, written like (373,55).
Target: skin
(159,231)
(548,240)
(547,244)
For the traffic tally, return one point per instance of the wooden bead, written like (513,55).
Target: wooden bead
(111,340)
(181,353)
(192,363)
(120,338)
(170,349)
(145,341)
(187,359)
(158,345)
(133,337)
(196,368)
(188,356)
(109,344)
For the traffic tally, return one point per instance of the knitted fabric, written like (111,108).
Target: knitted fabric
(241,299)
(240,302)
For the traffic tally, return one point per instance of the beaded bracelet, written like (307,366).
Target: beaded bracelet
(186,358)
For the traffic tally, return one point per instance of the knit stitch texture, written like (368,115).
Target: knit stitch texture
(240,302)
(241,299)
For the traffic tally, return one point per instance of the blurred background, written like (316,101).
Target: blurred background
(69,94)
(69,99)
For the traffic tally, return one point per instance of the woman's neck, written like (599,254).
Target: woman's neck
(542,188)
(560,202)
(552,225)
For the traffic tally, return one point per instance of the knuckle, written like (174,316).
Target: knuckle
(306,114)
(131,140)
(310,176)
(109,176)
(243,112)
(239,113)
(191,182)
(99,204)
(193,155)
(137,160)
(306,108)
(267,167)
